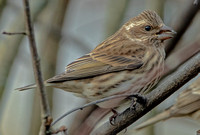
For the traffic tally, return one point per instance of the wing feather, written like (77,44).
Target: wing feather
(89,68)
(98,63)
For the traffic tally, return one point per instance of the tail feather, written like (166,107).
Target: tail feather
(69,88)
(31,86)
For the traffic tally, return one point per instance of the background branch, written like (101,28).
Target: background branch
(13,33)
(10,46)
(179,57)
(186,105)
(45,113)
(182,24)
(167,87)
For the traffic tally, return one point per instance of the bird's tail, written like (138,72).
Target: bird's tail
(31,86)
(162,116)
(69,88)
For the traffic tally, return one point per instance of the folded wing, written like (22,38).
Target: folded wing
(98,63)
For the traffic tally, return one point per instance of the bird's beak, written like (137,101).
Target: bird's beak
(165,32)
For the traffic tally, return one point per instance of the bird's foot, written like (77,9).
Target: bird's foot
(137,98)
(112,118)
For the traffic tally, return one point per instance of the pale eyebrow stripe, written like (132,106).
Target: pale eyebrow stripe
(128,27)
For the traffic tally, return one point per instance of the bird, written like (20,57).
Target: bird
(130,61)
(186,105)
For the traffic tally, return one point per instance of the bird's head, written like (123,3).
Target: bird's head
(148,27)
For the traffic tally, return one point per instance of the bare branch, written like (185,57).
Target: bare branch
(14,33)
(10,46)
(186,105)
(167,87)
(179,57)
(90,104)
(45,113)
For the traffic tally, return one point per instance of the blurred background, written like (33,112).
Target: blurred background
(65,30)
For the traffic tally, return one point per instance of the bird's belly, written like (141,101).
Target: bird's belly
(114,84)
(121,82)
(149,80)
(130,83)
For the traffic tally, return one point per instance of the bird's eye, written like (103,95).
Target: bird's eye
(148,28)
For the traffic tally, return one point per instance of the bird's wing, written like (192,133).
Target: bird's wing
(97,63)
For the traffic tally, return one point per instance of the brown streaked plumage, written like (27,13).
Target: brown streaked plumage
(130,61)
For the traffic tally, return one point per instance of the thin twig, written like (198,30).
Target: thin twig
(45,113)
(14,33)
(10,46)
(90,104)
(166,88)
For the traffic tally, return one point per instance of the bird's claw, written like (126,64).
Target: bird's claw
(112,118)
(137,98)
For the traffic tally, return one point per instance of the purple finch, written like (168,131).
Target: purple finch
(130,61)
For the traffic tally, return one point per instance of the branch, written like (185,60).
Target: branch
(167,87)
(90,104)
(182,24)
(11,46)
(186,105)
(14,33)
(179,57)
(45,113)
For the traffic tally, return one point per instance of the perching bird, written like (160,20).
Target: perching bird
(187,104)
(130,61)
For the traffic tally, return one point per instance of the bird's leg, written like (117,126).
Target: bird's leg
(137,98)
(112,118)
